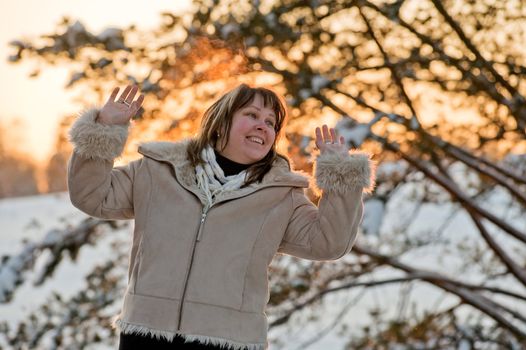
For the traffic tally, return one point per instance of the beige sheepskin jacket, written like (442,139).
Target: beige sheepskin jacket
(203,275)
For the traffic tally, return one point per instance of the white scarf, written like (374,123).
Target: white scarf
(212,180)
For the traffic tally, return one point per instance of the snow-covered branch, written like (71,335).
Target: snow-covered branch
(57,242)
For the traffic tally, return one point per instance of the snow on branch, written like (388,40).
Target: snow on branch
(56,241)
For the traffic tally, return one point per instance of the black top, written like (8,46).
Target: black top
(141,342)
(229,166)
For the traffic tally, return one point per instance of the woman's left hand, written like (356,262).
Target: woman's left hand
(327,141)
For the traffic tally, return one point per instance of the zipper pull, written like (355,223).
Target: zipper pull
(201,224)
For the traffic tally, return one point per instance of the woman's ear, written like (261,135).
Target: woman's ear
(221,141)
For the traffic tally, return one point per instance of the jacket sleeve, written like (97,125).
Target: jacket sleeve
(95,186)
(328,232)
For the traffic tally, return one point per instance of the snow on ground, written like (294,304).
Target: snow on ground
(32,217)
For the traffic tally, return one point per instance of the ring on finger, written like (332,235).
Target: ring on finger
(126,103)
(328,142)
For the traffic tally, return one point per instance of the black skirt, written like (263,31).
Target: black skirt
(141,342)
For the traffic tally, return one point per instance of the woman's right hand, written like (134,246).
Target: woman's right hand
(120,111)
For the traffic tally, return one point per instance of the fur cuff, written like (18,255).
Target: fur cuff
(96,140)
(336,172)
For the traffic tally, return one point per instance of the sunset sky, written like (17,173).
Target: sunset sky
(40,103)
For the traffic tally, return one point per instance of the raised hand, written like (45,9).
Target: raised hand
(327,141)
(120,111)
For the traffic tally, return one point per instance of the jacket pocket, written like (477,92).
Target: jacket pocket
(159,272)
(218,279)
(137,266)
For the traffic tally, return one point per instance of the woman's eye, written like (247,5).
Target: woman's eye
(270,123)
(251,115)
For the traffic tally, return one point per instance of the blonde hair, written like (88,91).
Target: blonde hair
(217,120)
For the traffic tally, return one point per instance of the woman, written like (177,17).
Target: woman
(210,213)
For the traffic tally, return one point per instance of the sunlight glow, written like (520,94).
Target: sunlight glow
(42,102)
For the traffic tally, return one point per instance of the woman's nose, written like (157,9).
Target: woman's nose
(260,125)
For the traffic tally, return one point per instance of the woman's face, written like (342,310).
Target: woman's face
(252,133)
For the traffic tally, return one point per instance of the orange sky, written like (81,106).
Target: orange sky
(42,102)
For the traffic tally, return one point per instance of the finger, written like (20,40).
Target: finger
(113,94)
(319,138)
(334,138)
(342,140)
(326,135)
(318,134)
(132,93)
(137,104)
(124,94)
(139,101)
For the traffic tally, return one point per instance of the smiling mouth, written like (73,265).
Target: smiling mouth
(256,140)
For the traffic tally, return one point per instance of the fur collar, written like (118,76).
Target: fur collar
(175,154)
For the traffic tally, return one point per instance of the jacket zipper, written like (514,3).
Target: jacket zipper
(187,276)
(201,224)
